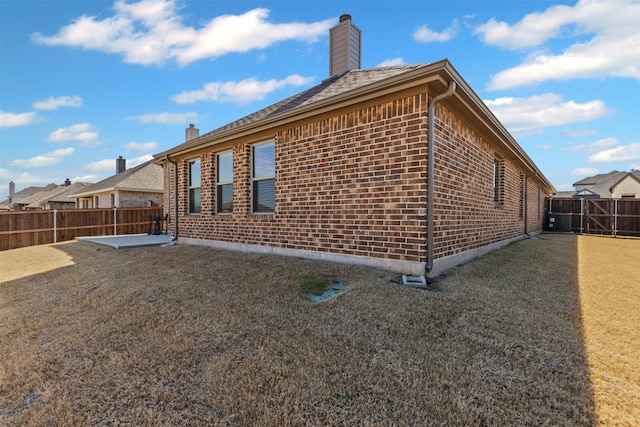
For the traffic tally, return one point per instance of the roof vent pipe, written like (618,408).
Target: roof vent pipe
(431,171)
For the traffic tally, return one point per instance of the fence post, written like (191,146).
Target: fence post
(581,215)
(115,221)
(55,226)
(615,217)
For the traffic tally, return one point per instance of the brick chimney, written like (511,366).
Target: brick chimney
(67,182)
(344,47)
(191,132)
(121,165)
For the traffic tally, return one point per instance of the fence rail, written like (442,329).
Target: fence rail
(29,228)
(616,217)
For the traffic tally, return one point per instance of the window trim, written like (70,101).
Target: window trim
(194,187)
(498,181)
(254,180)
(220,184)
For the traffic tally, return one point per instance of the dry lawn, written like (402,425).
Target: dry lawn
(195,336)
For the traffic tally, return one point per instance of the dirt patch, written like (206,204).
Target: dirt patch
(195,336)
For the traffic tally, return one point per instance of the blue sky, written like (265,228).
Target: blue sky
(83,82)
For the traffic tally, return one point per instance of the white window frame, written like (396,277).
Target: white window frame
(255,180)
(220,184)
(190,187)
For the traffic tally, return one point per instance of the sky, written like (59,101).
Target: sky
(83,82)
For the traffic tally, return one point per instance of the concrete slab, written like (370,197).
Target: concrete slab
(129,240)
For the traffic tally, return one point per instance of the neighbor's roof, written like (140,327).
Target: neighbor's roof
(359,85)
(30,191)
(61,194)
(146,177)
(603,183)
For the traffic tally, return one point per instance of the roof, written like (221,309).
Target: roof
(359,85)
(60,194)
(603,183)
(146,177)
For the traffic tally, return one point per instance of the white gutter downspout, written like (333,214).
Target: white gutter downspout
(175,192)
(431,171)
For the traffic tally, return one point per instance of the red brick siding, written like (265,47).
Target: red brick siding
(465,214)
(355,183)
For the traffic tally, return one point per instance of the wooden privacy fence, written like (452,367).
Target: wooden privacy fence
(616,217)
(29,228)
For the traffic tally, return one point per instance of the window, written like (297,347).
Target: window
(194,187)
(263,178)
(224,183)
(96,202)
(498,181)
(113,200)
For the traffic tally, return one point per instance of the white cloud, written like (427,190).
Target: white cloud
(241,92)
(619,154)
(166,118)
(613,48)
(545,147)
(575,133)
(53,103)
(425,35)
(53,158)
(585,172)
(591,147)
(8,120)
(141,146)
(532,115)
(110,164)
(82,133)
(101,165)
(391,62)
(152,32)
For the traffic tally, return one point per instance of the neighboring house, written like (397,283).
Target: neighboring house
(612,185)
(403,168)
(136,187)
(15,201)
(58,198)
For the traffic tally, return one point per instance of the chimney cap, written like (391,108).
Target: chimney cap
(345,17)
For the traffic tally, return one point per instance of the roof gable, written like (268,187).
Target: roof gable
(144,177)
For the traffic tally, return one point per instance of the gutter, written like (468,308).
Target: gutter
(431,171)
(175,192)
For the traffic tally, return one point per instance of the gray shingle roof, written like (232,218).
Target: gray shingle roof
(330,87)
(144,177)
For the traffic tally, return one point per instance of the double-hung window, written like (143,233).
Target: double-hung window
(195,201)
(498,181)
(224,183)
(263,178)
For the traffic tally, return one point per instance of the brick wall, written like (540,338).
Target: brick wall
(355,183)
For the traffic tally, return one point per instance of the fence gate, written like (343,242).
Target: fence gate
(599,216)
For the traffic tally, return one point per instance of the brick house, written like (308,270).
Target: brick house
(139,186)
(403,168)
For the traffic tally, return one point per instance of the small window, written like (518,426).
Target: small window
(194,187)
(113,200)
(224,183)
(96,202)
(498,181)
(263,178)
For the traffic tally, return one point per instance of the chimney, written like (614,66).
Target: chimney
(12,188)
(67,182)
(121,165)
(344,47)
(191,132)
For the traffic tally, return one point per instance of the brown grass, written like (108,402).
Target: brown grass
(194,336)
(609,278)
